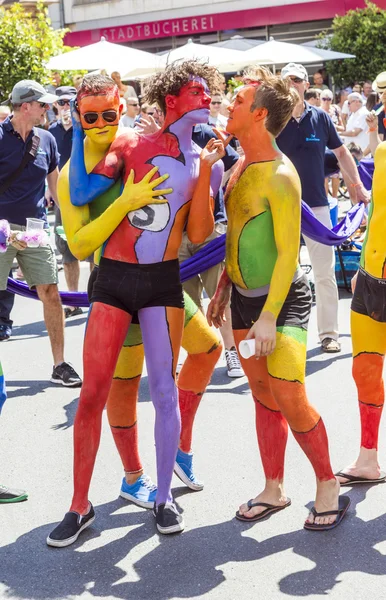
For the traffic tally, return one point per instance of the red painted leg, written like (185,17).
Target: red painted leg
(314,444)
(189,402)
(106,331)
(272,433)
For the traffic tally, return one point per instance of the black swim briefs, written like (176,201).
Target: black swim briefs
(131,287)
(295,311)
(370,297)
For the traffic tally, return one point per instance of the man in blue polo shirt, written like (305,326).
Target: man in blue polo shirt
(304,140)
(62,132)
(23,199)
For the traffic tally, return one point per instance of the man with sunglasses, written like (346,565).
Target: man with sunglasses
(62,132)
(132,112)
(304,140)
(215,118)
(24,198)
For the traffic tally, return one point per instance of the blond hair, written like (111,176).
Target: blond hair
(273,93)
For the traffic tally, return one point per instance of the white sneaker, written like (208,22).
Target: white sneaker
(234,368)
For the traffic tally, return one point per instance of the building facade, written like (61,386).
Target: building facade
(157,25)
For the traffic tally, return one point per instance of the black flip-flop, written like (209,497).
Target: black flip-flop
(344,503)
(354,479)
(269,510)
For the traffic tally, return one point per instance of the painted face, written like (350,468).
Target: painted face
(194,96)
(240,115)
(99,116)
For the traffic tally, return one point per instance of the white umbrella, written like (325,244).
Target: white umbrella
(225,60)
(327,54)
(107,56)
(274,52)
(238,42)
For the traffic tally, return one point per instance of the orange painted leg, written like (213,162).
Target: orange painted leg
(367,373)
(271,426)
(204,350)
(106,331)
(122,415)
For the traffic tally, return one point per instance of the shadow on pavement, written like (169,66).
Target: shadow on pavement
(184,566)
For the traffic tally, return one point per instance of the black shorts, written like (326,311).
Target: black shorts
(295,311)
(131,287)
(370,297)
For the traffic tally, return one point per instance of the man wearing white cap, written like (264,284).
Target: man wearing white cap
(304,140)
(29,156)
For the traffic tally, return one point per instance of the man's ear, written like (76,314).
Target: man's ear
(260,113)
(307,85)
(170,101)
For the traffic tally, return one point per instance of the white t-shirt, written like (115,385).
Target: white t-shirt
(220,121)
(127,121)
(357,120)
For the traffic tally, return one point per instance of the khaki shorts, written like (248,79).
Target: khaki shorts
(38,264)
(207,280)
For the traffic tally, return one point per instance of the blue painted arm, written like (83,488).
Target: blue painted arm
(84,187)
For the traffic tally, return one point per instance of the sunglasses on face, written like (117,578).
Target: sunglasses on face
(215,102)
(41,104)
(134,104)
(63,102)
(327,99)
(107,115)
(296,79)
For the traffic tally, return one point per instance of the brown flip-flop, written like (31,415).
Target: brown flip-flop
(269,510)
(354,479)
(344,503)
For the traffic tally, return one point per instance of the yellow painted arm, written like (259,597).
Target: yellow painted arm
(284,198)
(84,236)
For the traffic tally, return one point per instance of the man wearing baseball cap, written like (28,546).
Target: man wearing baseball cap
(304,140)
(29,156)
(62,132)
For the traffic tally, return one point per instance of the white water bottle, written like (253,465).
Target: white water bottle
(247,348)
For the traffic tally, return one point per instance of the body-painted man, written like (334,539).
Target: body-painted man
(139,272)
(271,300)
(368,325)
(199,340)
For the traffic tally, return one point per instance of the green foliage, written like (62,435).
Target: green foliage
(27,42)
(361,32)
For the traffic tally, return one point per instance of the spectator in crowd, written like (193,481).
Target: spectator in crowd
(341,102)
(330,108)
(7,299)
(367,89)
(56,80)
(333,111)
(356,128)
(312,96)
(357,88)
(215,118)
(8,495)
(318,81)
(372,101)
(77,80)
(131,113)
(125,91)
(5,111)
(379,86)
(304,141)
(24,199)
(62,132)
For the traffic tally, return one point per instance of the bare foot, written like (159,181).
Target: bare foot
(366,466)
(272,494)
(327,498)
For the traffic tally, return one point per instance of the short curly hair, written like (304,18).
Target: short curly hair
(92,85)
(273,93)
(176,76)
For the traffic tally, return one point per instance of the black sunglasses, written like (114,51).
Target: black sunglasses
(215,102)
(107,115)
(296,79)
(63,102)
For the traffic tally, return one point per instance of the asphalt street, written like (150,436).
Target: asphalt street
(121,556)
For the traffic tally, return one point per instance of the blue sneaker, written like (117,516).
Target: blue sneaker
(183,468)
(142,492)
(5,332)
